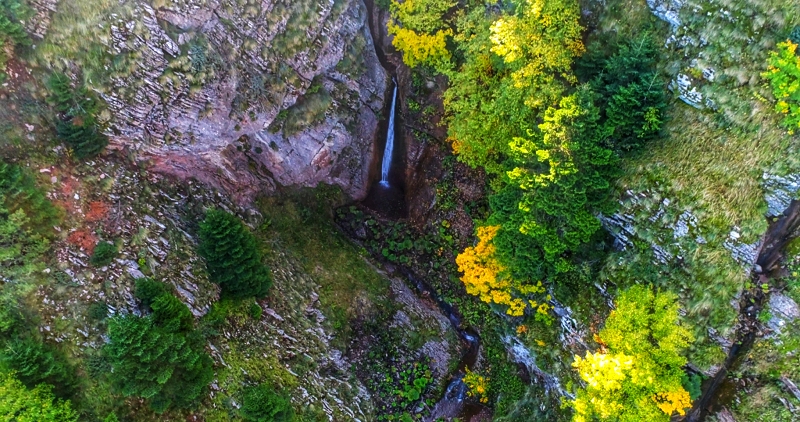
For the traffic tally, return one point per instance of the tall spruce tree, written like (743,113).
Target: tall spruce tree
(233,257)
(164,364)
(77,125)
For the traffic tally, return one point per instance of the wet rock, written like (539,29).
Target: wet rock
(779,191)
(783,309)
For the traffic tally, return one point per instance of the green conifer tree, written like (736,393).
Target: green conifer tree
(166,366)
(233,256)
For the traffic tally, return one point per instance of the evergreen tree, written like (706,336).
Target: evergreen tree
(36,363)
(162,364)
(147,290)
(12,32)
(233,257)
(77,126)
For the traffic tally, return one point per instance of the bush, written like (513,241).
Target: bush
(255,311)
(18,403)
(233,257)
(794,36)
(783,74)
(103,254)
(263,404)
(26,223)
(12,31)
(98,311)
(171,314)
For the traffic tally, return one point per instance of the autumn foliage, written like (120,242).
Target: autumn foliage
(483,276)
(784,76)
(637,375)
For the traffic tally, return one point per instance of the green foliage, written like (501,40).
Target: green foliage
(160,357)
(255,310)
(512,70)
(794,36)
(693,384)
(98,311)
(783,74)
(564,178)
(103,254)
(640,376)
(12,31)
(412,383)
(26,222)
(171,314)
(233,256)
(147,290)
(36,363)
(420,31)
(77,125)
(262,403)
(20,404)
(630,94)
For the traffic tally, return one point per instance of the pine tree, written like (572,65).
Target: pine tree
(36,363)
(162,364)
(233,257)
(77,126)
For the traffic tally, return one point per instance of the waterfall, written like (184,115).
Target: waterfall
(387,153)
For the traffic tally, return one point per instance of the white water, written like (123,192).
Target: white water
(387,153)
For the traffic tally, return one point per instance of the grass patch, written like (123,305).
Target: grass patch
(301,223)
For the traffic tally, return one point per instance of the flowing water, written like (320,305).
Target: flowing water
(389,150)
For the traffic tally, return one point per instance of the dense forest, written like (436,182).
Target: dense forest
(399,210)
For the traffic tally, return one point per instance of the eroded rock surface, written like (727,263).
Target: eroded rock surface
(241,95)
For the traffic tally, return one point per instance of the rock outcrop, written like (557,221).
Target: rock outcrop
(242,95)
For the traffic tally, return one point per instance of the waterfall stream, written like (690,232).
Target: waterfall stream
(387,152)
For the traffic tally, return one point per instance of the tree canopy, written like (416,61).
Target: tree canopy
(20,404)
(159,357)
(637,375)
(233,256)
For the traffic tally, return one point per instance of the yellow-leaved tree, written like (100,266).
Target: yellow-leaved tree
(420,31)
(637,375)
(483,277)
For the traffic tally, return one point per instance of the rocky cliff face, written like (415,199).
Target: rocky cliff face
(243,95)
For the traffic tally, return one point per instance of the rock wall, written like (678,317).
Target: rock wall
(242,95)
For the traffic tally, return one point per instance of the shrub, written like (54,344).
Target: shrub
(255,311)
(783,74)
(98,311)
(639,375)
(26,223)
(233,257)
(794,36)
(263,404)
(103,254)
(12,32)
(171,314)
